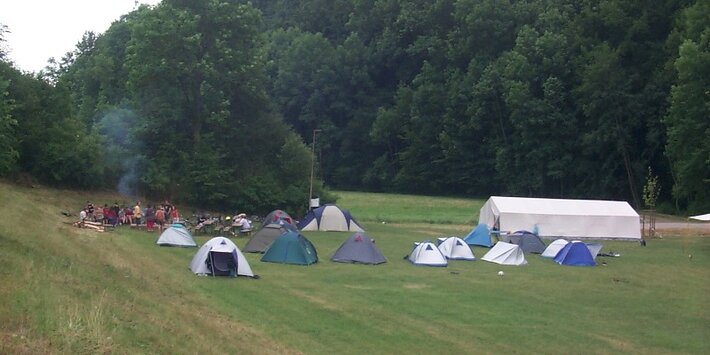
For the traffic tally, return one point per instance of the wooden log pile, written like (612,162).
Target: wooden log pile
(97,226)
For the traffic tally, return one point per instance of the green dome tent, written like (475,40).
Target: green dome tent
(291,248)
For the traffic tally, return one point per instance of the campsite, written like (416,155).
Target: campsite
(71,290)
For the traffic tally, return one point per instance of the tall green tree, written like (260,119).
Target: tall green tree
(688,119)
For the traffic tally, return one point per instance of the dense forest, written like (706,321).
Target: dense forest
(218,102)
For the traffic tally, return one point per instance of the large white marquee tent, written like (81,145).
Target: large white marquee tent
(561,218)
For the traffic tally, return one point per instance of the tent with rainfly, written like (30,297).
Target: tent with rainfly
(427,254)
(505,254)
(455,248)
(359,248)
(262,239)
(291,248)
(219,256)
(329,218)
(575,253)
(481,236)
(176,236)
(554,248)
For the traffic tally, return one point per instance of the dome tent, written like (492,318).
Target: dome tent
(329,218)
(359,248)
(427,254)
(454,248)
(291,248)
(528,242)
(176,236)
(262,239)
(219,256)
(554,248)
(480,236)
(276,216)
(575,253)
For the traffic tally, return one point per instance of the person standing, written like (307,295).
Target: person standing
(174,215)
(149,218)
(160,218)
(137,213)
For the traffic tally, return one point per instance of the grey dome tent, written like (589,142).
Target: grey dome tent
(261,240)
(176,236)
(359,248)
(276,216)
(528,242)
(220,257)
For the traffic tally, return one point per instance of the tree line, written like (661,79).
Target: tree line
(215,102)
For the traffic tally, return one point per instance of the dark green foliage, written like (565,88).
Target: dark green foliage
(538,98)
(688,119)
(543,98)
(178,92)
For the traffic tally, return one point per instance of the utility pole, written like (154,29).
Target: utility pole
(313,164)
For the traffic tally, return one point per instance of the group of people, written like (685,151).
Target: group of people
(238,222)
(152,215)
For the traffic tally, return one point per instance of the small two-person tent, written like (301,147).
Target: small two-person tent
(176,236)
(528,242)
(481,236)
(360,249)
(276,216)
(266,235)
(291,248)
(575,253)
(220,257)
(455,248)
(555,218)
(505,254)
(427,254)
(329,218)
(554,248)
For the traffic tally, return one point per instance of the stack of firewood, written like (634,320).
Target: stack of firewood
(97,226)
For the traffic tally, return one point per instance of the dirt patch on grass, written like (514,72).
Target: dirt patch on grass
(359,287)
(415,286)
(316,300)
(682,229)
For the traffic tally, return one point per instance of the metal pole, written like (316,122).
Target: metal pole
(313,164)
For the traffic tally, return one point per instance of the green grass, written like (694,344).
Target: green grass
(394,208)
(65,290)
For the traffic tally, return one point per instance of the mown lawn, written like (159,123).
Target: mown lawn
(66,290)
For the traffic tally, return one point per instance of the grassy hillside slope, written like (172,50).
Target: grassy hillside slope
(66,290)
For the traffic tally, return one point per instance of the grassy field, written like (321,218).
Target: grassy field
(66,290)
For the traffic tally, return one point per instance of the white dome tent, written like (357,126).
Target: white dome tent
(427,254)
(219,256)
(455,248)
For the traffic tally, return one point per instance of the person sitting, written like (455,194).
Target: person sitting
(246,226)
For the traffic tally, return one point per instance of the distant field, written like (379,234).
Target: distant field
(376,207)
(72,291)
